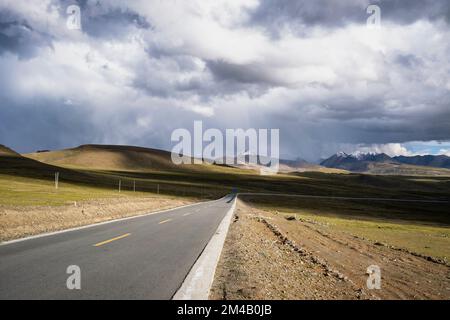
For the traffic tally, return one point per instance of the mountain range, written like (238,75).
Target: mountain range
(129,158)
(381,163)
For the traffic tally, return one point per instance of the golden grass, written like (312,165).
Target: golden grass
(120,158)
(22,191)
(18,222)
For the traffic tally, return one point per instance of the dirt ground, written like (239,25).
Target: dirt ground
(20,221)
(267,256)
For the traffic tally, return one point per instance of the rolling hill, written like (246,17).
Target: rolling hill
(77,169)
(110,157)
(11,161)
(5,151)
(76,165)
(130,158)
(14,164)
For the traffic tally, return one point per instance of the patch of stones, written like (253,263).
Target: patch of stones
(303,252)
(376,243)
(309,221)
(326,235)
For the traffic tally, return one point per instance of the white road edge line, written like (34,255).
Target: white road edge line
(199,280)
(101,223)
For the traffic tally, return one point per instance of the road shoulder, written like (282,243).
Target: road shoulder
(198,282)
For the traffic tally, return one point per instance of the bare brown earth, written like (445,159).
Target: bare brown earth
(267,256)
(20,221)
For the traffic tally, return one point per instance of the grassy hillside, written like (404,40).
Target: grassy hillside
(405,169)
(129,158)
(121,158)
(27,181)
(108,158)
(104,165)
(5,151)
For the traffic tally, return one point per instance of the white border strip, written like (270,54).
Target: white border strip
(100,223)
(198,282)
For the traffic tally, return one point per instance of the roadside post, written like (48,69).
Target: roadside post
(56,180)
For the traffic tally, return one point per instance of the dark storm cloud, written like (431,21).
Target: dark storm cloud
(166,83)
(140,71)
(241,73)
(279,13)
(111,23)
(18,37)
(100,20)
(408,60)
(217,78)
(406,12)
(294,14)
(44,124)
(319,135)
(21,37)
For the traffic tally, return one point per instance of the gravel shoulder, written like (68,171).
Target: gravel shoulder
(267,256)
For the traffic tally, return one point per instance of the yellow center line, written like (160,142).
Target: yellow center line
(164,221)
(111,240)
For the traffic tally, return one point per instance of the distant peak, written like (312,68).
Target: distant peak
(362,155)
(341,154)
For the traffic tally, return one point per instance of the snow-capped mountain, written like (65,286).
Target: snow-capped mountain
(381,162)
(358,162)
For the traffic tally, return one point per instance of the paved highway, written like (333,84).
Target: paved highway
(146,257)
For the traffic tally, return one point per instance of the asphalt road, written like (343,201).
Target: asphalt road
(142,258)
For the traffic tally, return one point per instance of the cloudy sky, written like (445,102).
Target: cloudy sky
(139,69)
